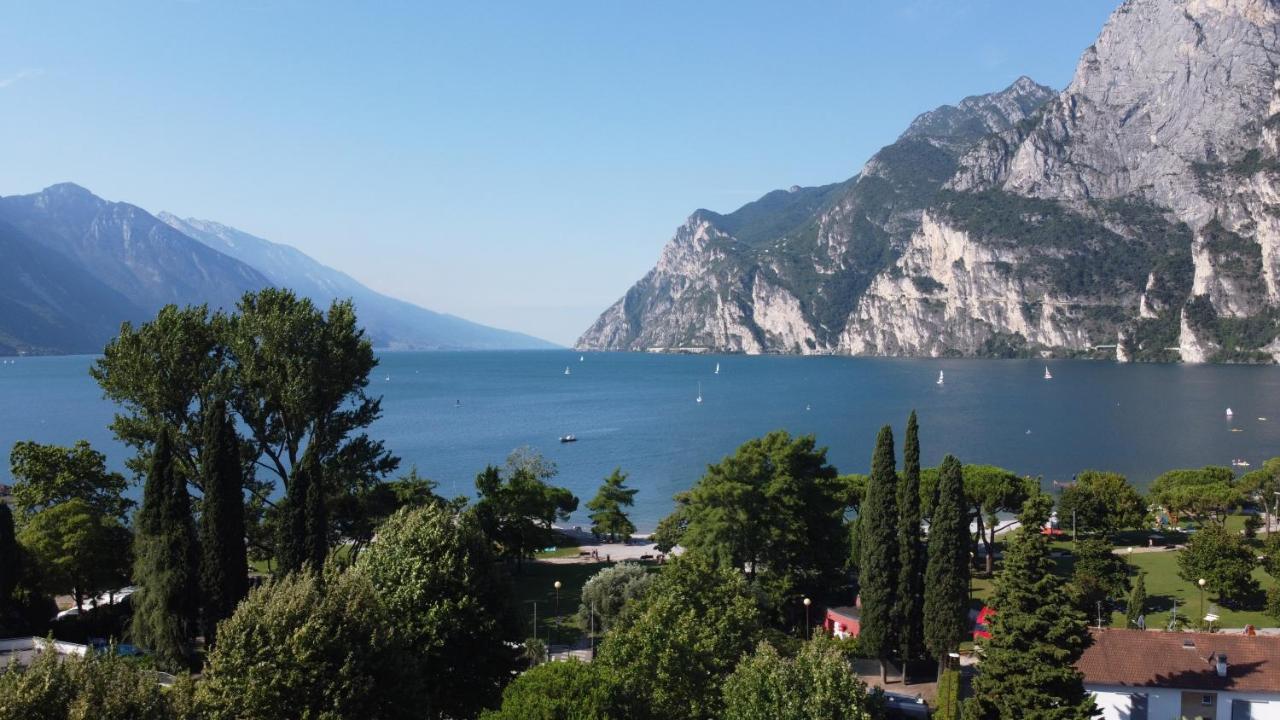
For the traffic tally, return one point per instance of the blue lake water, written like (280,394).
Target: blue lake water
(637,412)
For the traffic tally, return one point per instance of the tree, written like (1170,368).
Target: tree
(674,648)
(879,566)
(292,552)
(772,508)
(815,685)
(1028,667)
(946,600)
(48,475)
(1209,493)
(609,591)
(1102,502)
(1098,576)
(10,559)
(911,557)
(298,647)
(436,574)
(76,550)
(1263,486)
(103,686)
(1223,560)
(376,503)
(516,512)
(295,375)
(607,515)
(224,567)
(560,691)
(166,569)
(992,491)
(1135,610)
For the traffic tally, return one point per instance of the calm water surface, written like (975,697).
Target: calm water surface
(637,412)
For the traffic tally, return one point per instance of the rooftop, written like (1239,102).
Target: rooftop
(1141,658)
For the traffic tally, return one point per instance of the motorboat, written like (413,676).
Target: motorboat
(568,438)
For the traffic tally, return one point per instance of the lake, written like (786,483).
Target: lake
(450,414)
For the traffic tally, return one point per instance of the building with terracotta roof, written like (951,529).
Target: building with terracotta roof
(1145,675)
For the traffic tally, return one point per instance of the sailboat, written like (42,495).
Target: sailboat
(940,377)
(1047,375)
(582,358)
(1229,413)
(717,368)
(566,369)
(699,393)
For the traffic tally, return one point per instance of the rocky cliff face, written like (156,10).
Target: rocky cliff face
(1138,210)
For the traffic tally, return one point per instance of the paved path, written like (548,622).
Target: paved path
(592,550)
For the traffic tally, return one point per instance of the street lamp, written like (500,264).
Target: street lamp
(807,603)
(1201,582)
(557,627)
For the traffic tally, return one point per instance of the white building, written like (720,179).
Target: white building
(1144,675)
(24,651)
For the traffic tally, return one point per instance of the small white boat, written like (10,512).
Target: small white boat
(582,358)
(940,377)
(568,438)
(566,370)
(1262,419)
(1229,413)
(717,368)
(1240,463)
(699,399)
(1047,375)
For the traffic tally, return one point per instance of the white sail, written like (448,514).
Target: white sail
(699,392)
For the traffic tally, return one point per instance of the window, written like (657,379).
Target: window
(1206,700)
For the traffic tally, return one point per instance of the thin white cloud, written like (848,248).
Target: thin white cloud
(19,77)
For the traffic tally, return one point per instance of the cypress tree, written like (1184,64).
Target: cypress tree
(878,569)
(946,593)
(166,565)
(316,539)
(291,531)
(10,559)
(224,567)
(1028,664)
(910,612)
(1136,607)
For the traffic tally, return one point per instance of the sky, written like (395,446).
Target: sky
(517,163)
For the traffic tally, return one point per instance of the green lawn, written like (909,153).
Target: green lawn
(565,547)
(535,583)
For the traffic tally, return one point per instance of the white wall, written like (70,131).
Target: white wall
(1166,704)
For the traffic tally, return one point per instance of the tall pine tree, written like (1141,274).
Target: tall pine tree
(910,611)
(316,540)
(946,594)
(166,566)
(878,569)
(1028,668)
(224,568)
(1136,609)
(291,529)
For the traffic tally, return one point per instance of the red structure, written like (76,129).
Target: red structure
(843,622)
(982,623)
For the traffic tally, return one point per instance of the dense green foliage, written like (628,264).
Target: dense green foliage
(47,475)
(1101,502)
(1135,610)
(911,551)
(878,568)
(609,591)
(1208,493)
(298,647)
(773,508)
(817,684)
(561,691)
(948,698)
(166,568)
(946,600)
(1098,577)
(607,515)
(224,567)
(75,550)
(674,648)
(1027,669)
(516,511)
(101,687)
(1223,560)
(438,578)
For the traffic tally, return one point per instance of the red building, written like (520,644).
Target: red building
(843,622)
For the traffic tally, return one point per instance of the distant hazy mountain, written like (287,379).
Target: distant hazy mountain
(74,266)
(391,323)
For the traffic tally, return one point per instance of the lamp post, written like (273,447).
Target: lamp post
(1201,582)
(557,627)
(807,603)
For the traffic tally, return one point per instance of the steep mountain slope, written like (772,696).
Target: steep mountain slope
(783,273)
(50,304)
(390,323)
(1138,211)
(128,249)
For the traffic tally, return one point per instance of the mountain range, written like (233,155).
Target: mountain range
(1135,215)
(74,266)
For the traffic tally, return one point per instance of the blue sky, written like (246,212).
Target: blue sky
(517,163)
